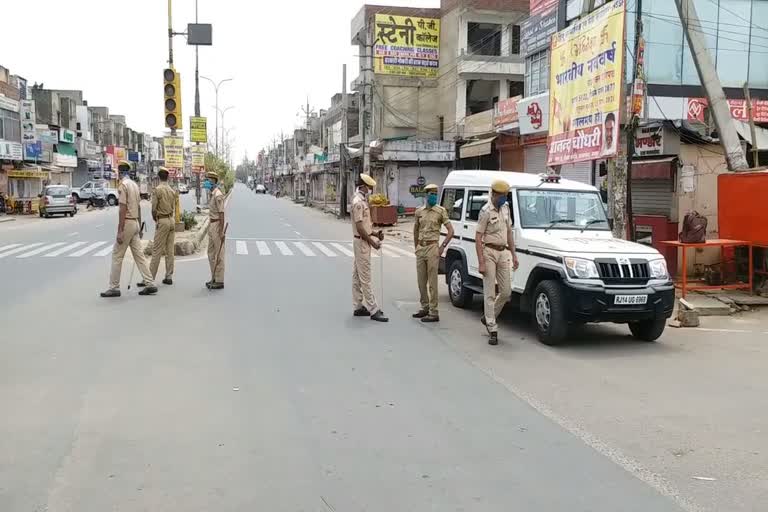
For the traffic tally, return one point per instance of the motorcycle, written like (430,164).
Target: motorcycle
(97,201)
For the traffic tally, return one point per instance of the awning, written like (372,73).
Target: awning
(477,148)
(656,169)
(760,133)
(64,148)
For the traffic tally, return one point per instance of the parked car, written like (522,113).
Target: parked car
(572,270)
(86,191)
(57,199)
(261,189)
(183,188)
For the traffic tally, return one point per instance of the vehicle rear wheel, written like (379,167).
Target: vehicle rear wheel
(648,330)
(549,313)
(111,200)
(41,214)
(461,296)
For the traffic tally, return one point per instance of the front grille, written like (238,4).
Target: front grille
(613,272)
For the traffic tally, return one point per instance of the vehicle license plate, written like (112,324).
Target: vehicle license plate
(630,300)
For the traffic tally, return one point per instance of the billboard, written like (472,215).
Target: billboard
(198,158)
(696,108)
(585,86)
(174,152)
(406,46)
(198,131)
(536,31)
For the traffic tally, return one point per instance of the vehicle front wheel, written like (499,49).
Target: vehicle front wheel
(111,200)
(549,312)
(648,330)
(461,296)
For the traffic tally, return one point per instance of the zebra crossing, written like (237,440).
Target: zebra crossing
(297,248)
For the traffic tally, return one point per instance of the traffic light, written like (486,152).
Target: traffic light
(172,92)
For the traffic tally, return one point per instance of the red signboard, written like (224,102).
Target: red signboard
(580,145)
(697,106)
(506,112)
(539,6)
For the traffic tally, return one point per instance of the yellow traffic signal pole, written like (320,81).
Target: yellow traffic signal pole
(170,65)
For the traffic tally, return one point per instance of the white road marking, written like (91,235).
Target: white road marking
(303,248)
(297,233)
(734,331)
(40,250)
(20,249)
(8,247)
(99,226)
(241,247)
(284,248)
(59,252)
(263,248)
(324,249)
(342,249)
(105,251)
(86,250)
(73,234)
(401,251)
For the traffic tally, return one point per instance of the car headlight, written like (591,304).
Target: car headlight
(581,269)
(658,269)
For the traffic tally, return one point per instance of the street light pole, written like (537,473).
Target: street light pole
(223,131)
(216,87)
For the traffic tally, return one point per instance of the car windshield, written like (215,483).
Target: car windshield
(561,209)
(57,191)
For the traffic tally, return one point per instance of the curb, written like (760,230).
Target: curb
(7,219)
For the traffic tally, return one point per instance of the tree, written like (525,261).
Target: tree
(222,168)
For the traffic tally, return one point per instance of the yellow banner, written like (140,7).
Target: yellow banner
(198,158)
(27,173)
(585,84)
(198,129)
(407,46)
(174,152)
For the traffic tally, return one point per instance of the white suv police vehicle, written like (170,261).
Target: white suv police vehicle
(572,270)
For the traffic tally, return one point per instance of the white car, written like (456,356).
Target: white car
(183,188)
(572,270)
(261,189)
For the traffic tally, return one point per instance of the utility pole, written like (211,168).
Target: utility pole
(694,34)
(216,88)
(367,99)
(638,74)
(198,192)
(308,113)
(343,146)
(752,130)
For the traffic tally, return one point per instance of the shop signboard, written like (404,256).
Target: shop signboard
(66,135)
(133,156)
(505,112)
(28,174)
(11,150)
(174,152)
(406,46)
(533,114)
(198,158)
(33,150)
(198,129)
(586,87)
(697,106)
(28,131)
(536,31)
(63,160)
(7,103)
(655,141)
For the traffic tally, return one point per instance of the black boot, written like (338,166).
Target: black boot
(149,290)
(216,286)
(379,317)
(361,311)
(168,281)
(421,314)
(109,294)
(494,339)
(430,319)
(140,285)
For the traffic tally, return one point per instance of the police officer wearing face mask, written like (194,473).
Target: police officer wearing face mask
(429,219)
(215,231)
(495,251)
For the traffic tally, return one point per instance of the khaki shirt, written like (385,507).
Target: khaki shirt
(361,211)
(163,201)
(429,220)
(129,195)
(493,225)
(216,205)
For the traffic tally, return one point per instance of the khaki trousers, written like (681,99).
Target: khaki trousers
(215,251)
(130,239)
(427,260)
(498,270)
(165,238)
(362,284)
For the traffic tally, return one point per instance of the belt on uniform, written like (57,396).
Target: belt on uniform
(497,247)
(428,242)
(215,220)
(165,216)
(130,218)
(358,237)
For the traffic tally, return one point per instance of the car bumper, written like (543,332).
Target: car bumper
(59,209)
(597,303)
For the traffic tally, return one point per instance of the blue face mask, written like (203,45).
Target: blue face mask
(207,185)
(501,201)
(432,199)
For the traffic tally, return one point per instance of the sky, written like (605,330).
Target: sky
(278,53)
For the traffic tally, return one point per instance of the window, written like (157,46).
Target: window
(561,209)
(514,39)
(484,39)
(664,42)
(57,191)
(453,201)
(733,42)
(10,126)
(758,71)
(477,199)
(537,73)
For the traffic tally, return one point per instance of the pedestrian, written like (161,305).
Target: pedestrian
(363,300)
(495,248)
(215,231)
(163,208)
(429,219)
(129,233)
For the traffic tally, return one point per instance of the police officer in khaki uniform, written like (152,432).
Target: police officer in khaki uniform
(128,235)
(215,231)
(163,208)
(426,237)
(363,300)
(495,251)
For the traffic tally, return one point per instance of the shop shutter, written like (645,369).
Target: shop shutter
(580,171)
(536,159)
(652,197)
